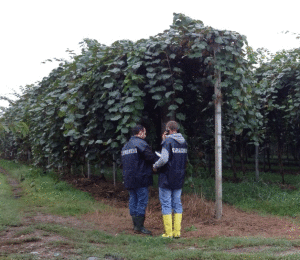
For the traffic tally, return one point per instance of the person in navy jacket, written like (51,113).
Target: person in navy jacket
(137,160)
(172,164)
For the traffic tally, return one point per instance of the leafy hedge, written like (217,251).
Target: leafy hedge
(84,109)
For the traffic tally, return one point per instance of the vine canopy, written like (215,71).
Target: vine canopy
(85,107)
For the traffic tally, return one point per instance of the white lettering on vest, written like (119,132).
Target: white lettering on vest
(129,151)
(179,150)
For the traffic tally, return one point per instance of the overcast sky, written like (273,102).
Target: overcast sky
(35,30)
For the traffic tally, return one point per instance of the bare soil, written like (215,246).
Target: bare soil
(198,216)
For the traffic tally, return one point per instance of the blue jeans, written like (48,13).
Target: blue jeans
(170,200)
(138,201)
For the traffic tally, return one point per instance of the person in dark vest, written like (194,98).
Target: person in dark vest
(171,164)
(137,160)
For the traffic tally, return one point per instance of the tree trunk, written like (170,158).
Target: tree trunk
(233,166)
(264,158)
(209,163)
(268,156)
(114,170)
(257,162)
(280,163)
(242,156)
(88,169)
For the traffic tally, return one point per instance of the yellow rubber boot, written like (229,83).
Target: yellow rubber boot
(177,225)
(167,219)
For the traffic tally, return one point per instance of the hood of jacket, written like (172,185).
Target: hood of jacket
(177,137)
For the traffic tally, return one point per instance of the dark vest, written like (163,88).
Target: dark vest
(173,172)
(137,171)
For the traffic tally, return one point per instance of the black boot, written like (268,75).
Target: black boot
(140,225)
(135,228)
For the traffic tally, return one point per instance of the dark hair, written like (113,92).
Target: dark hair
(172,125)
(135,130)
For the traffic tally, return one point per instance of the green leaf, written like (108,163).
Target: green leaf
(108,85)
(219,40)
(180,116)
(114,145)
(83,142)
(150,69)
(195,55)
(172,56)
(108,142)
(128,109)
(176,69)
(151,75)
(168,94)
(157,89)
(238,131)
(110,102)
(157,97)
(137,65)
(178,87)
(170,114)
(173,107)
(236,92)
(124,130)
(115,70)
(72,132)
(240,71)
(166,76)
(229,73)
(179,100)
(129,100)
(152,82)
(114,93)
(200,45)
(103,95)
(115,118)
(125,119)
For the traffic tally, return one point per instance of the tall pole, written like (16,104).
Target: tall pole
(114,170)
(218,142)
(257,162)
(89,169)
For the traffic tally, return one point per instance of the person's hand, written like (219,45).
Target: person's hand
(164,136)
(154,170)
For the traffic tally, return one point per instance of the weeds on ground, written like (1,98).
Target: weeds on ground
(9,206)
(266,196)
(49,193)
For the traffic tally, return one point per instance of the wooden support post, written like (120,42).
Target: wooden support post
(114,170)
(218,142)
(257,162)
(89,169)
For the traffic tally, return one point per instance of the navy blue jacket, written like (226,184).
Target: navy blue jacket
(137,160)
(172,162)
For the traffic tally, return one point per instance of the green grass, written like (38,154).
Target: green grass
(266,196)
(50,194)
(47,193)
(9,206)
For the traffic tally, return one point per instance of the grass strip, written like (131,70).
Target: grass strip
(50,194)
(9,205)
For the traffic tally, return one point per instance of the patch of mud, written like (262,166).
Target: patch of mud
(39,243)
